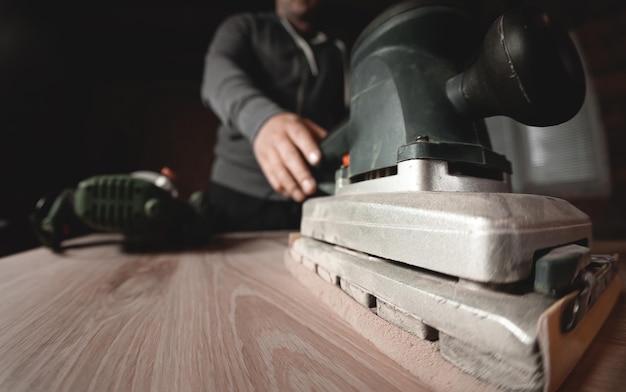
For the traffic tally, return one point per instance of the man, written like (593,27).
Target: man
(278,87)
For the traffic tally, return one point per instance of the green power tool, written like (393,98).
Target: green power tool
(143,206)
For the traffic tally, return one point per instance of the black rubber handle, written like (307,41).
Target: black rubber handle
(528,69)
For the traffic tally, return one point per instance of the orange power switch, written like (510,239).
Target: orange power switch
(346,160)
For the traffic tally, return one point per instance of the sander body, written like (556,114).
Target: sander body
(421,224)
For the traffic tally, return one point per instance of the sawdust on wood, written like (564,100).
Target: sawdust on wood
(420,357)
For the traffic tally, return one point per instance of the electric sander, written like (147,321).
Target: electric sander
(422,226)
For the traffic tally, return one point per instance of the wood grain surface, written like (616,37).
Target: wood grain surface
(226,318)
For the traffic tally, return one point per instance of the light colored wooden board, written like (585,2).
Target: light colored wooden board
(229,317)
(226,318)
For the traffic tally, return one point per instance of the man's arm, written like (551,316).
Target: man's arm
(226,86)
(281,140)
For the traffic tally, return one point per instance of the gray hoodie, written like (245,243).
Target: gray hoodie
(257,66)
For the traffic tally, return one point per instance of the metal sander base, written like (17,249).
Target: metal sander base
(491,335)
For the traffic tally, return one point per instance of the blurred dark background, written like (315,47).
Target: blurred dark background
(113,86)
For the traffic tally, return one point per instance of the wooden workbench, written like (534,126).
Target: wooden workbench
(227,317)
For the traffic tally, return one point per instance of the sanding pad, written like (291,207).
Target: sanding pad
(524,348)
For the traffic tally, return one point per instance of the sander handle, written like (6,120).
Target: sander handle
(528,69)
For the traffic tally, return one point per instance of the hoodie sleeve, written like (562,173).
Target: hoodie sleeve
(226,87)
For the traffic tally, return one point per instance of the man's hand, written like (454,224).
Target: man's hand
(281,146)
